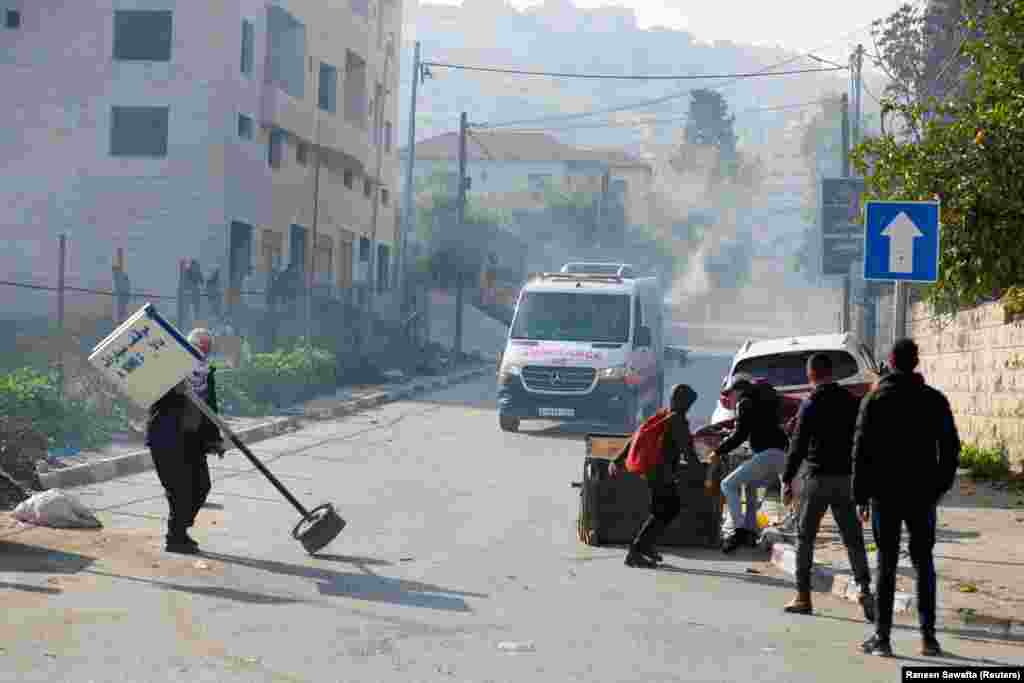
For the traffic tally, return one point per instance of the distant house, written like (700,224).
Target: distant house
(511,169)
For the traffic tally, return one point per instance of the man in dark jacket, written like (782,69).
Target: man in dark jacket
(905,456)
(757,419)
(665,502)
(179,438)
(823,440)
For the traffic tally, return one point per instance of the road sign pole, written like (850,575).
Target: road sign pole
(899,313)
(845,314)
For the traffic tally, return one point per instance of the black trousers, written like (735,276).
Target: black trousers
(665,507)
(819,494)
(185,476)
(888,519)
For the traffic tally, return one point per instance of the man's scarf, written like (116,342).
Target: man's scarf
(200,378)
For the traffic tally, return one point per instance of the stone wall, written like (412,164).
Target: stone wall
(977,359)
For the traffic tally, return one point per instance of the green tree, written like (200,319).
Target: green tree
(909,48)
(968,155)
(709,124)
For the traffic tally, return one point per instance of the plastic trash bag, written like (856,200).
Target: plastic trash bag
(58,509)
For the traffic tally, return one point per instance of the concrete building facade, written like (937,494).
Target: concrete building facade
(176,130)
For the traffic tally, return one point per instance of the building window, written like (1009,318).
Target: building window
(275,151)
(383,267)
(367,188)
(349,179)
(302,153)
(12,18)
(385,197)
(387,136)
(364,249)
(142,35)
(139,131)
(328,88)
(245,128)
(248,46)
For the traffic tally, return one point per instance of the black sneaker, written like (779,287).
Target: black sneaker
(875,645)
(734,541)
(653,554)
(930,647)
(182,548)
(636,559)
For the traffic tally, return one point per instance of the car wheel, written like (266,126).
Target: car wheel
(508,424)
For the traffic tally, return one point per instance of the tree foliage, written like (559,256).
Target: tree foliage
(910,48)
(968,155)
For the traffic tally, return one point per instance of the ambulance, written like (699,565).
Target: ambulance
(585,345)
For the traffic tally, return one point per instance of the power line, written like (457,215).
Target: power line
(672,119)
(559,74)
(643,104)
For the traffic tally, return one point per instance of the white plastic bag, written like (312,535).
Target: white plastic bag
(58,509)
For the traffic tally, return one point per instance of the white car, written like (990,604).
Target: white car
(783,363)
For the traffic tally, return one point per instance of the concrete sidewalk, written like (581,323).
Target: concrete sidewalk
(253,430)
(979,556)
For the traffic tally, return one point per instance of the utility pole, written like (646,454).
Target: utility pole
(845,115)
(408,200)
(312,245)
(460,218)
(61,265)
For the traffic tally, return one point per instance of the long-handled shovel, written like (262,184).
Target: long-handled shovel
(318,526)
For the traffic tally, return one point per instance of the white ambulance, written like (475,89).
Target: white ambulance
(584,346)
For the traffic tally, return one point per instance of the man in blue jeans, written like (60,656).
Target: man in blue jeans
(905,455)
(757,419)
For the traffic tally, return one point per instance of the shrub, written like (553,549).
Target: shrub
(35,395)
(985,463)
(277,379)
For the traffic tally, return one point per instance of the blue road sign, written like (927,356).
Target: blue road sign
(901,241)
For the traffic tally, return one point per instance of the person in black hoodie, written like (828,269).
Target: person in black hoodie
(823,439)
(758,418)
(665,502)
(179,438)
(905,455)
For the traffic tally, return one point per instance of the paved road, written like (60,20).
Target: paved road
(461,538)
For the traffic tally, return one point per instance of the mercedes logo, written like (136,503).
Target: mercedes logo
(556,378)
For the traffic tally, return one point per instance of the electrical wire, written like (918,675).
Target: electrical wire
(643,104)
(673,119)
(557,74)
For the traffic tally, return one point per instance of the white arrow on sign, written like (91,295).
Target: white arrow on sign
(901,233)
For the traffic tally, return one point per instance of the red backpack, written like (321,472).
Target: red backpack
(645,450)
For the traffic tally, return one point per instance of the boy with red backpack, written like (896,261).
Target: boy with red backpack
(654,452)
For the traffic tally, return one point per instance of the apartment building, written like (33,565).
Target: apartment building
(248,135)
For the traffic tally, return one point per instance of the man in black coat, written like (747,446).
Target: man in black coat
(180,437)
(905,456)
(823,439)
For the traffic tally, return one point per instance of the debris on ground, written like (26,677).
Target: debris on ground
(58,509)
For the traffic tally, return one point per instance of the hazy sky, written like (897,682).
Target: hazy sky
(794,24)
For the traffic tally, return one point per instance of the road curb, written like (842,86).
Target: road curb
(842,585)
(141,461)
